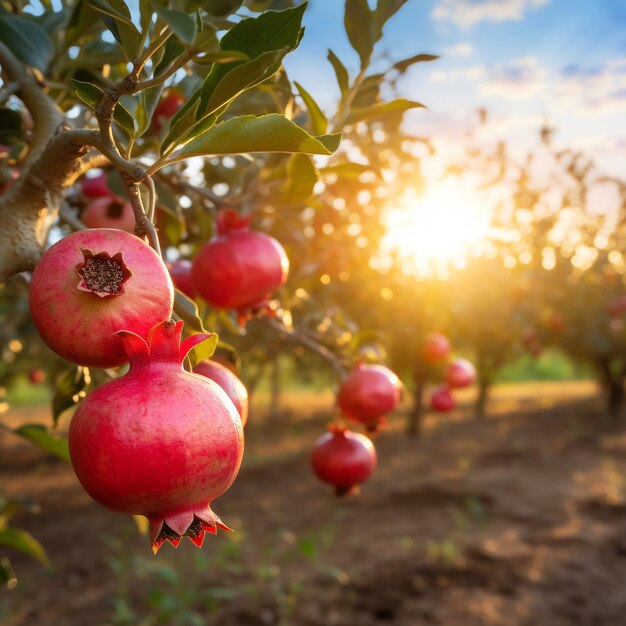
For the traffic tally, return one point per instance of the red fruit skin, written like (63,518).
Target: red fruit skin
(229,382)
(166,109)
(159,441)
(460,373)
(96,187)
(240,268)
(80,325)
(436,348)
(442,400)
(344,459)
(368,393)
(180,271)
(109,212)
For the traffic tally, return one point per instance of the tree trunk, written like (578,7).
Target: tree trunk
(483,396)
(612,374)
(275,387)
(414,424)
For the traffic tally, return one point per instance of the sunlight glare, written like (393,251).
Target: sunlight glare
(435,230)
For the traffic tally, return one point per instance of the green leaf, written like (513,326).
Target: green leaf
(28,41)
(272,31)
(203,350)
(359,23)
(346,169)
(319,123)
(10,125)
(44,439)
(82,20)
(384,10)
(69,385)
(91,95)
(187,310)
(148,100)
(7,574)
(382,109)
(301,178)
(171,51)
(182,24)
(116,16)
(218,8)
(221,56)
(24,542)
(248,133)
(343,80)
(403,65)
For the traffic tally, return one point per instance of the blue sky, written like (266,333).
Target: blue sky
(526,61)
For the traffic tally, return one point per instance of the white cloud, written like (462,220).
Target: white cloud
(466,13)
(515,80)
(459,50)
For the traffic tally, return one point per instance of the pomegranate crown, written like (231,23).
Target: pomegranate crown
(229,220)
(163,344)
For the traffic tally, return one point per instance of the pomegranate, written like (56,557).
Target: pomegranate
(180,271)
(229,382)
(442,399)
(460,373)
(95,187)
(36,376)
(159,441)
(109,212)
(167,107)
(436,348)
(368,393)
(344,459)
(93,283)
(240,268)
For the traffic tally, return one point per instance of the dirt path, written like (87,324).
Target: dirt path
(517,521)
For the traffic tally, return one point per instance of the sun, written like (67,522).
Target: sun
(427,233)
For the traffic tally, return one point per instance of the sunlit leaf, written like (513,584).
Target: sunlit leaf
(376,111)
(182,24)
(187,310)
(301,178)
(343,79)
(359,23)
(68,387)
(403,65)
(116,16)
(44,439)
(385,9)
(319,123)
(267,133)
(24,542)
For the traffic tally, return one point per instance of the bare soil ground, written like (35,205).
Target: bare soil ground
(519,520)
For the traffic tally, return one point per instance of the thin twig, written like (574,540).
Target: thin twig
(149,183)
(309,343)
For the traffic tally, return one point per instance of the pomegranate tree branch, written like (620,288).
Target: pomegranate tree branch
(310,344)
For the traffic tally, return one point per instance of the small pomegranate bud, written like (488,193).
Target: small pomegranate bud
(229,382)
(159,441)
(344,459)
(436,348)
(92,283)
(442,400)
(36,376)
(240,268)
(368,393)
(460,373)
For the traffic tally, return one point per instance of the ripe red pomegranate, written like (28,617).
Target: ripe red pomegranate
(167,107)
(180,271)
(109,212)
(344,459)
(368,393)
(93,283)
(240,268)
(159,441)
(460,373)
(95,187)
(617,307)
(436,348)
(229,382)
(442,399)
